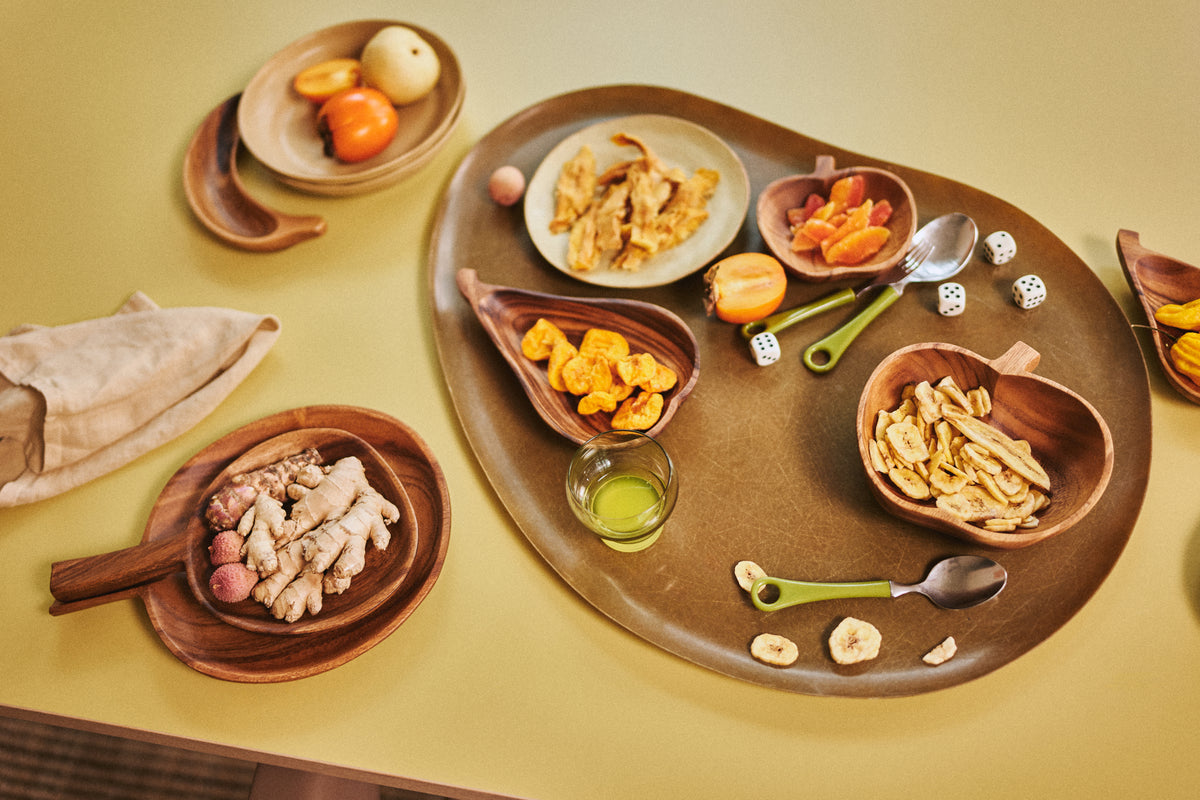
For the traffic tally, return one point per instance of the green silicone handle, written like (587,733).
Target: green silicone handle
(822,356)
(785,319)
(793,593)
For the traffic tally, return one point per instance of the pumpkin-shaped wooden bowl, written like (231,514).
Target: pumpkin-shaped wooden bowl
(507,313)
(83,582)
(1067,435)
(1158,280)
(791,192)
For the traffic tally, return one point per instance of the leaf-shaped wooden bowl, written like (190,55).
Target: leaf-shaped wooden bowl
(84,582)
(1158,280)
(507,313)
(1068,436)
(791,192)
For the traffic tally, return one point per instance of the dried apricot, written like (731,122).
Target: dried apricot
(640,412)
(538,342)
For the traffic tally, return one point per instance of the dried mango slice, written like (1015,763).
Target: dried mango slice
(640,412)
(539,341)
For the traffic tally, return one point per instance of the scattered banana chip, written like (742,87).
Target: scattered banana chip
(942,653)
(773,649)
(853,641)
(936,445)
(747,572)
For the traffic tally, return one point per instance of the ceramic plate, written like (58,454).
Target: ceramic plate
(278,126)
(678,143)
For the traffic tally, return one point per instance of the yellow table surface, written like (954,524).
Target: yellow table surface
(1083,114)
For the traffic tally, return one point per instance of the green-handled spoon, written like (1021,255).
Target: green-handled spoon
(953,239)
(955,583)
(786,319)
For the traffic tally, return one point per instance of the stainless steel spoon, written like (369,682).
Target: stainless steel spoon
(953,237)
(956,582)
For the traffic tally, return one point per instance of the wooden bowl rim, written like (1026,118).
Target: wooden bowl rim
(1137,261)
(773,228)
(1019,360)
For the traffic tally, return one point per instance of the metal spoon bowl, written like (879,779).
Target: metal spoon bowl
(955,583)
(953,237)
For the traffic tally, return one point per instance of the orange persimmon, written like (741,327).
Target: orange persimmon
(744,287)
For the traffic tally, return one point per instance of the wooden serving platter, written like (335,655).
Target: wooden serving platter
(210,645)
(767,457)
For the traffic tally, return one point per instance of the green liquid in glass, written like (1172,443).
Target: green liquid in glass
(622,501)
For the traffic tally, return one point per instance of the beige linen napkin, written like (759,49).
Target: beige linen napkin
(80,400)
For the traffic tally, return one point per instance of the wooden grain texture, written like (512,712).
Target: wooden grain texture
(1157,280)
(507,313)
(217,197)
(93,577)
(198,631)
(791,191)
(1068,436)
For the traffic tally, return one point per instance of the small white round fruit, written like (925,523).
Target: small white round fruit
(401,64)
(506,185)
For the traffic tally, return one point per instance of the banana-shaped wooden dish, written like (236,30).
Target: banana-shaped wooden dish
(1157,280)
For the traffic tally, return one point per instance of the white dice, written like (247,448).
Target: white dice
(1000,247)
(1028,291)
(765,348)
(952,299)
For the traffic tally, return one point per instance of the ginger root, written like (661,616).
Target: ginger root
(262,526)
(226,507)
(341,544)
(302,593)
(330,498)
(293,557)
(291,562)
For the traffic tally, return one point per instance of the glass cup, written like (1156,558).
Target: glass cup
(622,485)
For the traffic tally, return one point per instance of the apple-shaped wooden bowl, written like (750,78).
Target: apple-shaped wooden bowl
(787,193)
(507,313)
(1067,435)
(1158,280)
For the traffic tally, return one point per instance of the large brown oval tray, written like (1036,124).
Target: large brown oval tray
(209,645)
(767,457)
